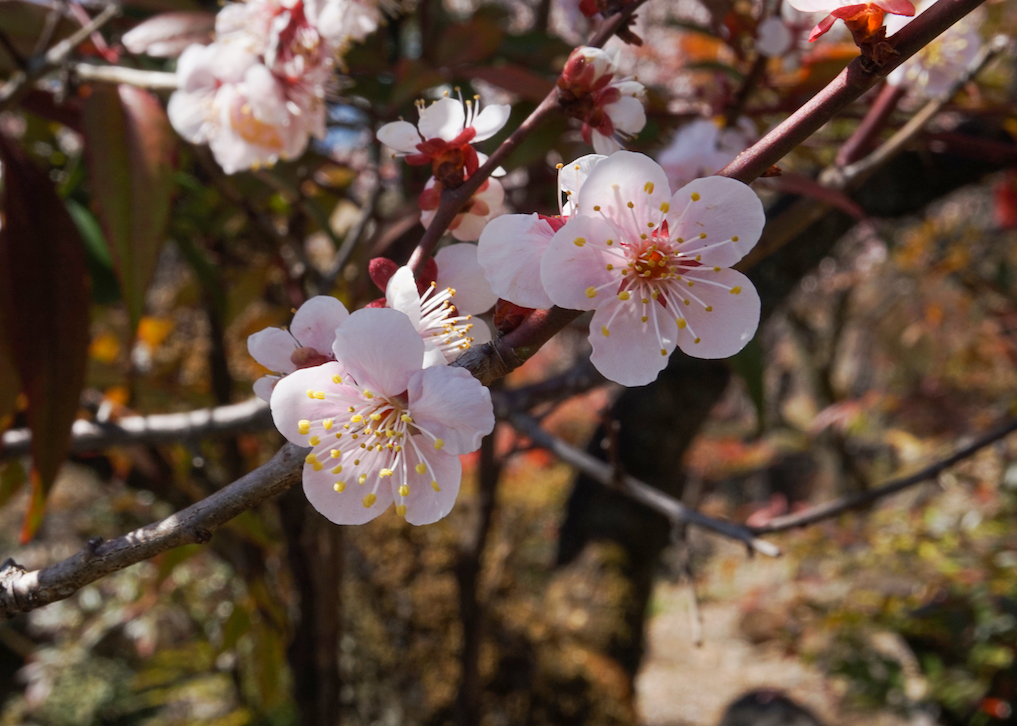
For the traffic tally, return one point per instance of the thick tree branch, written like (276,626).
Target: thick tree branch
(22,591)
(863,499)
(631,487)
(252,415)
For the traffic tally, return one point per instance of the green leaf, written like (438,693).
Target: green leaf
(44,302)
(105,288)
(131,154)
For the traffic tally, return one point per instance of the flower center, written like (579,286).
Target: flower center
(652,263)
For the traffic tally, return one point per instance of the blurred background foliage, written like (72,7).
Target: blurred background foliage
(900,343)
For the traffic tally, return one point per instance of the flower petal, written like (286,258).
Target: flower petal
(509,252)
(347,506)
(402,294)
(633,352)
(459,269)
(730,325)
(719,218)
(400,135)
(263,387)
(291,404)
(272,347)
(452,405)
(380,348)
(573,175)
(627,114)
(443,119)
(490,121)
(623,179)
(315,322)
(576,263)
(425,504)
(605,145)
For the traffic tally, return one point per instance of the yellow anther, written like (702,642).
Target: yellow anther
(624,295)
(362,479)
(389,433)
(736,289)
(702,235)
(337,378)
(335,453)
(434,485)
(646,301)
(643,236)
(355,436)
(320,395)
(339,486)
(605,331)
(376,417)
(716,269)
(558,166)
(421,467)
(368,394)
(385,472)
(609,267)
(356,462)
(630,205)
(695,196)
(337,469)
(327,424)
(687,302)
(401,510)
(438,443)
(699,258)
(697,340)
(645,318)
(351,409)
(609,242)
(679,241)
(665,207)
(591,292)
(691,283)
(404,491)
(317,466)
(310,393)
(304,427)
(709,308)
(596,208)
(310,458)
(405,418)
(314,441)
(651,225)
(663,352)
(579,241)
(339,435)
(655,294)
(681,323)
(734,238)
(357,419)
(398,448)
(370,499)
(648,187)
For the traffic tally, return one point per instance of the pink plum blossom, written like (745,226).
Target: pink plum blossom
(773,37)
(469,223)
(609,107)
(167,35)
(702,148)
(382,428)
(512,245)
(936,67)
(861,18)
(248,116)
(443,136)
(307,342)
(443,313)
(654,267)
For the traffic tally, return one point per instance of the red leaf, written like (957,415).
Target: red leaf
(44,300)
(521,81)
(131,152)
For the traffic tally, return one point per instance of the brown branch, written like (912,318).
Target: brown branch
(452,200)
(643,493)
(860,75)
(22,591)
(863,499)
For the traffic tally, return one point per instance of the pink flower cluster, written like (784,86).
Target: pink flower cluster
(257,94)
(653,266)
(373,397)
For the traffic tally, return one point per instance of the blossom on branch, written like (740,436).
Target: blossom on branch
(444,135)
(382,428)
(654,267)
(512,245)
(609,107)
(864,20)
(702,148)
(307,342)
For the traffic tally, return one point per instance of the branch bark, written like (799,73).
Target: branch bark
(22,591)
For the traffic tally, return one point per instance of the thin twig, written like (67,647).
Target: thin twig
(631,487)
(22,590)
(860,141)
(165,428)
(152,80)
(20,83)
(860,75)
(863,499)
